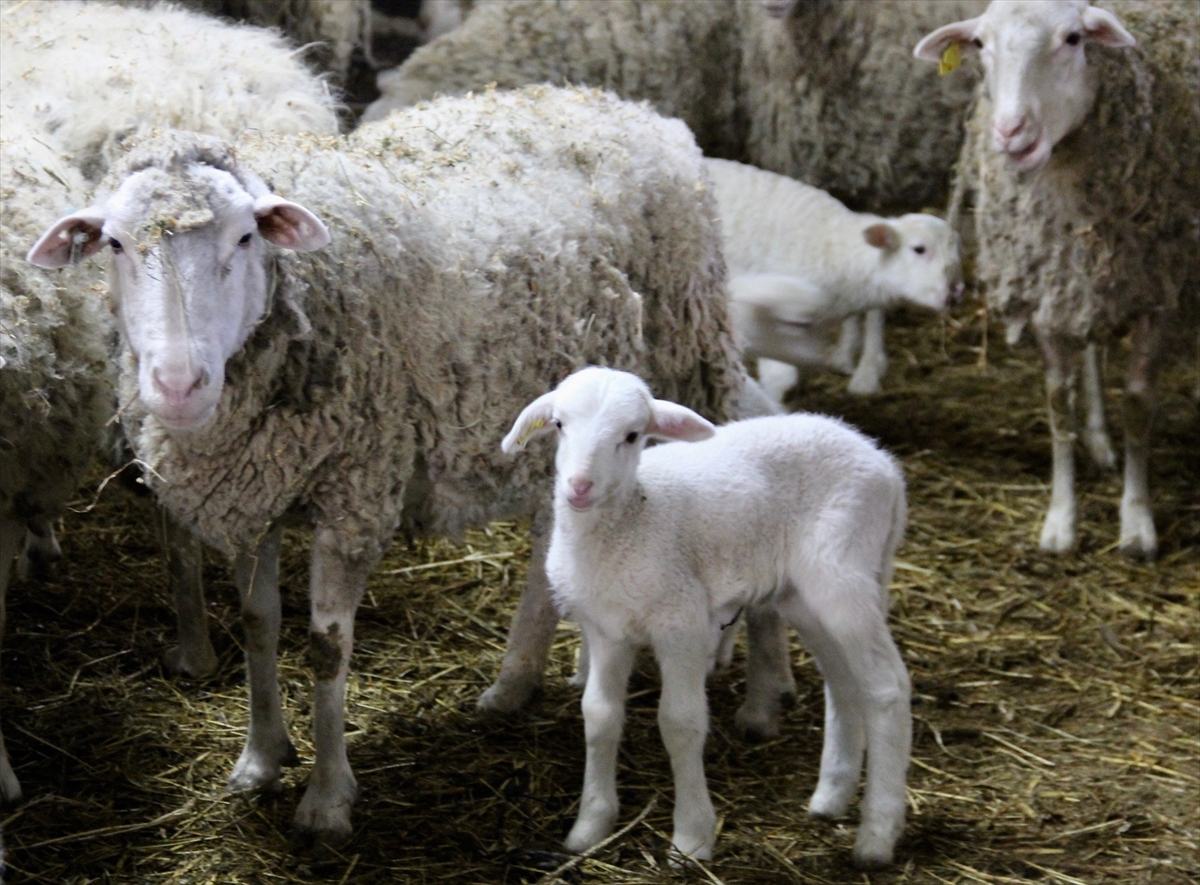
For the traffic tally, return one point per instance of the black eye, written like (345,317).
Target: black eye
(115,243)
(558,424)
(1073,38)
(245,241)
(920,250)
(631,437)
(978,43)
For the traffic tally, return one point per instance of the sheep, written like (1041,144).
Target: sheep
(1087,172)
(481,247)
(94,74)
(800,263)
(667,547)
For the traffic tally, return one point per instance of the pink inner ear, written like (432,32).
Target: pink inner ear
(54,248)
(882,236)
(289,225)
(672,421)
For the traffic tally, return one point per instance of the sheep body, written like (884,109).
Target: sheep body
(665,548)
(93,74)
(817,96)
(482,246)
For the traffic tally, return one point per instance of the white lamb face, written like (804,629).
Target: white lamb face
(918,260)
(603,419)
(1035,68)
(189,277)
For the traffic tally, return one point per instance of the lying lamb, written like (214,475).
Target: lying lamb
(481,247)
(801,263)
(1087,168)
(666,547)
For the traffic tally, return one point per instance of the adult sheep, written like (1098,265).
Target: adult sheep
(1087,171)
(482,248)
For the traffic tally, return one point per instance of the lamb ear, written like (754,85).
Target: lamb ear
(672,421)
(882,236)
(935,44)
(1106,29)
(534,420)
(54,248)
(289,224)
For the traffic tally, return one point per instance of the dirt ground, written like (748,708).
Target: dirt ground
(1056,699)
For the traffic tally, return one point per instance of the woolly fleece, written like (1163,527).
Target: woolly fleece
(483,249)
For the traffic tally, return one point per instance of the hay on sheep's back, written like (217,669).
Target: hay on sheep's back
(1055,707)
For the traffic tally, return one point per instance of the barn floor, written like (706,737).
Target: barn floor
(1056,699)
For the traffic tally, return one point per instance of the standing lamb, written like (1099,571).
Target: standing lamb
(481,248)
(667,547)
(800,263)
(1087,171)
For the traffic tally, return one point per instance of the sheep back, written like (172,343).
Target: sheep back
(484,248)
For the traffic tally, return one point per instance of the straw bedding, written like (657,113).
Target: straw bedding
(1056,700)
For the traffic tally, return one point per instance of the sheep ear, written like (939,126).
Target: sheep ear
(73,236)
(289,224)
(882,236)
(672,421)
(934,45)
(534,420)
(1104,28)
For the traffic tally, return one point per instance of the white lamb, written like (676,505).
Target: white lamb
(1085,158)
(801,263)
(667,547)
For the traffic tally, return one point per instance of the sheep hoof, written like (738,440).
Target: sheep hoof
(509,694)
(258,771)
(1058,531)
(323,815)
(1138,537)
(10,787)
(193,664)
(864,385)
(1100,450)
(756,725)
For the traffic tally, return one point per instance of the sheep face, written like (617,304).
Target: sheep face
(189,276)
(918,260)
(1035,68)
(603,419)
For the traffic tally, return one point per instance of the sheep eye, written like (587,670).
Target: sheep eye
(920,250)
(245,240)
(558,424)
(1073,38)
(115,243)
(631,437)
(978,43)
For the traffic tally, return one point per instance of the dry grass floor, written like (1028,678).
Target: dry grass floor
(1057,710)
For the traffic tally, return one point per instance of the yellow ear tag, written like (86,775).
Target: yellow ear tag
(951,59)
(530,430)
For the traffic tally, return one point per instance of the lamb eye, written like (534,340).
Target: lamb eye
(115,243)
(920,250)
(245,240)
(1073,38)
(631,437)
(558,424)
(978,43)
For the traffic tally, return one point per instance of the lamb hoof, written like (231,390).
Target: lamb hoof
(10,787)
(258,772)
(590,830)
(1100,450)
(1138,537)
(1058,531)
(323,815)
(756,725)
(868,859)
(828,805)
(196,665)
(864,385)
(509,694)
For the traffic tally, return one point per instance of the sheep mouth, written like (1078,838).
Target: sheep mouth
(184,420)
(1032,156)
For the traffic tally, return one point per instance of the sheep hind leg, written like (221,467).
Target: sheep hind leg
(872,366)
(529,636)
(1095,435)
(12,534)
(267,747)
(845,354)
(1138,537)
(41,551)
(1058,530)
(194,656)
(603,718)
(336,588)
(770,685)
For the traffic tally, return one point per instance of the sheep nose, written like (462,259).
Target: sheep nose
(176,385)
(580,487)
(1007,127)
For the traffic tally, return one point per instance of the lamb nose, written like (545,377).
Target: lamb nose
(581,487)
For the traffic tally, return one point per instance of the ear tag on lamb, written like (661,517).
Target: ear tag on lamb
(951,59)
(530,431)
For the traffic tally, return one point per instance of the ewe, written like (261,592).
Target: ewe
(666,547)
(1087,171)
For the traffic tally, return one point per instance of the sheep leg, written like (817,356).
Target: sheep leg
(194,656)
(41,550)
(683,723)
(603,718)
(267,746)
(845,354)
(1095,435)
(1138,537)
(582,664)
(873,364)
(1058,531)
(770,686)
(337,586)
(530,635)
(12,533)
(776,378)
